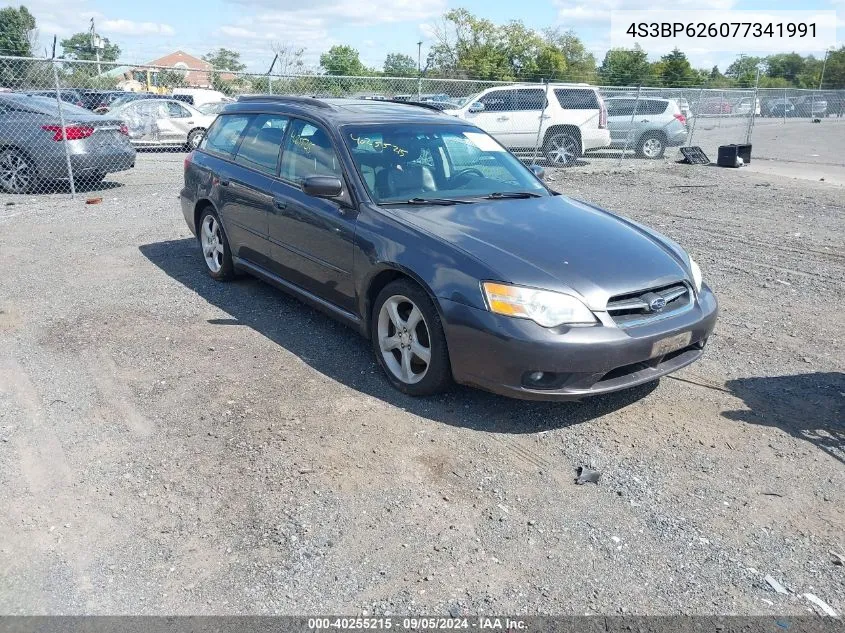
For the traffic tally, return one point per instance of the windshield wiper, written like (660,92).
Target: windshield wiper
(424,201)
(502,195)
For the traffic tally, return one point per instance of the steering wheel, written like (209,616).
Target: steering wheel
(467,172)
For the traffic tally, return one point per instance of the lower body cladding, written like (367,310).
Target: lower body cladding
(520,359)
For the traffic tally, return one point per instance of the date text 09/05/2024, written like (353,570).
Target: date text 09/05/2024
(722,29)
(417,623)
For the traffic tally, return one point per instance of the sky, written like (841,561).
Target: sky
(150,29)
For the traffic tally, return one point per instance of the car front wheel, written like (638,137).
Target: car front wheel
(408,340)
(195,138)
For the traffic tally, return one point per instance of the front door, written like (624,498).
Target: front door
(311,237)
(495,118)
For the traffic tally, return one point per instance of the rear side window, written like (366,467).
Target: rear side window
(652,106)
(574,99)
(262,140)
(223,136)
(497,101)
(533,99)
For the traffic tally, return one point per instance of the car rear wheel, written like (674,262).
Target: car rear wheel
(215,246)
(194,139)
(562,148)
(17,172)
(408,340)
(651,146)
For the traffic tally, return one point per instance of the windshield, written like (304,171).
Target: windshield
(400,162)
(470,99)
(125,99)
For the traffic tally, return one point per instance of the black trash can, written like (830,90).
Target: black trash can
(729,153)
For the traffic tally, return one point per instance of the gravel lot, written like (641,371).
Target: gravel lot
(173,445)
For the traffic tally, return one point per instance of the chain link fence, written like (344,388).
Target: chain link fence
(71,125)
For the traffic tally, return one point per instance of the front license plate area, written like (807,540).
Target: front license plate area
(670,344)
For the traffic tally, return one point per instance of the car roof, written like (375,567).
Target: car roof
(642,98)
(337,111)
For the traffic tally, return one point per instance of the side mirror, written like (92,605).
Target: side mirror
(322,186)
(476,106)
(538,171)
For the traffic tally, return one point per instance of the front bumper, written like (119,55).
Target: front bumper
(497,353)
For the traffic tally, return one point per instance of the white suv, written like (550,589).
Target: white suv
(570,118)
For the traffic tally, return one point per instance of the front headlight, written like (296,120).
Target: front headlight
(544,307)
(696,274)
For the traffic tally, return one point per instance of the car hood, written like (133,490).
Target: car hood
(556,243)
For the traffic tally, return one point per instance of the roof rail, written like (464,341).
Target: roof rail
(419,104)
(287,99)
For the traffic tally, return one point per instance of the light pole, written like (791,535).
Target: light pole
(419,70)
(96,44)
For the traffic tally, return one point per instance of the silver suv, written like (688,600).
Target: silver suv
(569,119)
(647,126)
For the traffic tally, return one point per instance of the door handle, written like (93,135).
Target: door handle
(190,122)
(644,121)
(224,182)
(503,118)
(546,116)
(281,205)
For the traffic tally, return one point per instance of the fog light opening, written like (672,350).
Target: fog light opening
(536,379)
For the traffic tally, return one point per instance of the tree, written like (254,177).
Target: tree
(171,78)
(744,70)
(580,64)
(79,46)
(17,32)
(342,60)
(675,71)
(785,65)
(625,67)
(834,70)
(289,59)
(225,59)
(400,65)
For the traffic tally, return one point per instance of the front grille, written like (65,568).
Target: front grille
(640,308)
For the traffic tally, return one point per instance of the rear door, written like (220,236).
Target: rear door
(525,117)
(495,118)
(619,113)
(580,107)
(242,211)
(312,237)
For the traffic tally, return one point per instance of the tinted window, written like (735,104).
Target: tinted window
(224,133)
(262,140)
(308,152)
(497,101)
(620,107)
(533,99)
(652,106)
(573,99)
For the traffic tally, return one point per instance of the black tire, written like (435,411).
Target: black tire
(17,172)
(194,138)
(222,268)
(437,376)
(562,147)
(651,146)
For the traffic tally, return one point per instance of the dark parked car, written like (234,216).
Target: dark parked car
(68,95)
(781,108)
(810,106)
(93,99)
(424,234)
(32,147)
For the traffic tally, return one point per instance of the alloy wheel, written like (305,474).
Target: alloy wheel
(211,239)
(16,174)
(562,149)
(652,147)
(404,339)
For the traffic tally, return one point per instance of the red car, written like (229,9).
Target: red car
(714,106)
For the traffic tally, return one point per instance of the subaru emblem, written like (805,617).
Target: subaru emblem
(657,304)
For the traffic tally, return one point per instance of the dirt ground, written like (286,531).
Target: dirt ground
(172,445)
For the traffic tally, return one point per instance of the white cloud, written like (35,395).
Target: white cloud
(353,11)
(598,11)
(128,27)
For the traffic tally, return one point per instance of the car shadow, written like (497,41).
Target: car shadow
(343,355)
(807,406)
(46,187)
